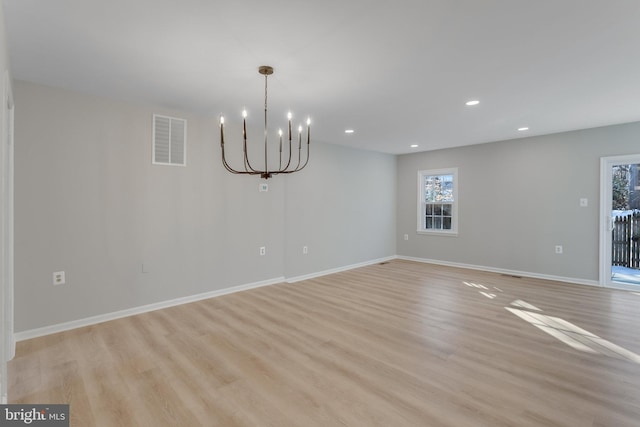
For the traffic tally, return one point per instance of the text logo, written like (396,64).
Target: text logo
(34,415)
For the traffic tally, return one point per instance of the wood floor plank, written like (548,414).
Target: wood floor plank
(400,343)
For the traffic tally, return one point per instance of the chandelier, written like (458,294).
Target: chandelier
(266,173)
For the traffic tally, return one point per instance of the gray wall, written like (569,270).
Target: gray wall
(340,208)
(4,53)
(518,199)
(89,202)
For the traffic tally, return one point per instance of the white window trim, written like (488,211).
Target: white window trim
(421,205)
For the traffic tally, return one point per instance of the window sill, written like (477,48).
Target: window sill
(438,233)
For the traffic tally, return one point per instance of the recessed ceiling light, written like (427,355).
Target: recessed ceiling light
(414,145)
(523,129)
(473,102)
(349,131)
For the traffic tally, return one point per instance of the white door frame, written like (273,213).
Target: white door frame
(606,163)
(7,342)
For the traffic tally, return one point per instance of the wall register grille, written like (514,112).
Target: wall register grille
(169,141)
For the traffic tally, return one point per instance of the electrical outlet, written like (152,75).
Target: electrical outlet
(263,187)
(406,237)
(263,250)
(58,278)
(558,249)
(305,250)
(584,203)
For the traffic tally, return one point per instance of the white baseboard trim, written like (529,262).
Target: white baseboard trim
(338,270)
(504,271)
(61,327)
(93,320)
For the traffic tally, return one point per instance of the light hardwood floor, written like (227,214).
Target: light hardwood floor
(395,344)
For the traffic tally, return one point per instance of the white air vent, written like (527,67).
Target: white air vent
(169,141)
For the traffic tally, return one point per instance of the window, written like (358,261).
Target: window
(169,141)
(438,201)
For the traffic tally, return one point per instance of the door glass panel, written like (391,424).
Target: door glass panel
(625,224)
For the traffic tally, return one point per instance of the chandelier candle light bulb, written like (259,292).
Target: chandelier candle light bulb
(300,137)
(280,164)
(222,131)
(266,173)
(244,125)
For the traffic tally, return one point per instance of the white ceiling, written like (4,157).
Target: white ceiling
(398,72)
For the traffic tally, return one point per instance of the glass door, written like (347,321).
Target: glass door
(620,222)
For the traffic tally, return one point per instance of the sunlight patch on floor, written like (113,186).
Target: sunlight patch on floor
(475,285)
(574,336)
(488,295)
(524,304)
(561,329)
